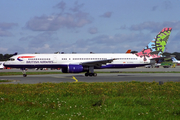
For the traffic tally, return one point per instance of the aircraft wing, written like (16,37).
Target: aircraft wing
(97,63)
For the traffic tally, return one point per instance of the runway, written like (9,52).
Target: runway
(102,77)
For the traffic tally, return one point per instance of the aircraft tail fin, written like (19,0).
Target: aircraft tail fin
(128,51)
(157,46)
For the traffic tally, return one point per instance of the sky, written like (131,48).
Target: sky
(83,26)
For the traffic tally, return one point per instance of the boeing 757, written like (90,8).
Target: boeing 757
(77,63)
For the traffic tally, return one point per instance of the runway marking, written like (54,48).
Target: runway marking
(74,78)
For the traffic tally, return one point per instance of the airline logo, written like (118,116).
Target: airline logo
(19,58)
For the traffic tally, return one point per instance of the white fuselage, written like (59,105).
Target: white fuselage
(61,60)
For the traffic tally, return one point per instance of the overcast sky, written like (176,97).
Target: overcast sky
(99,26)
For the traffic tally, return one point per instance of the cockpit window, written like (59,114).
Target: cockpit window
(11,59)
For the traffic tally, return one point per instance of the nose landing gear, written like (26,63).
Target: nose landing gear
(24,75)
(24,72)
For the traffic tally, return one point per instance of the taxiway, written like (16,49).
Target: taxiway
(115,76)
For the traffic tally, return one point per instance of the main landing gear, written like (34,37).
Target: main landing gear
(90,72)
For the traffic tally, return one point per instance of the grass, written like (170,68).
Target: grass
(5,80)
(74,101)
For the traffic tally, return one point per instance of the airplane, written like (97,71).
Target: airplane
(175,60)
(1,65)
(77,63)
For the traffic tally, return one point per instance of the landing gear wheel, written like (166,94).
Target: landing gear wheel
(90,74)
(86,74)
(95,74)
(24,75)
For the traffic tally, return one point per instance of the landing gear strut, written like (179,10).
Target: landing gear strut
(90,72)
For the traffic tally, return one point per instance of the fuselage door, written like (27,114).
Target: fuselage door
(54,59)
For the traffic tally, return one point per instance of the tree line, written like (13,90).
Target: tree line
(5,57)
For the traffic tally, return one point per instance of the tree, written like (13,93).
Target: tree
(5,57)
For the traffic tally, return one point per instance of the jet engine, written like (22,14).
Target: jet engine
(74,69)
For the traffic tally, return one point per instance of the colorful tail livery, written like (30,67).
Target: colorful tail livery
(157,46)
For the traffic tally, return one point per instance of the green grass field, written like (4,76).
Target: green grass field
(74,101)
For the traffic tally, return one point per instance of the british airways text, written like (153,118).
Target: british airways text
(39,61)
